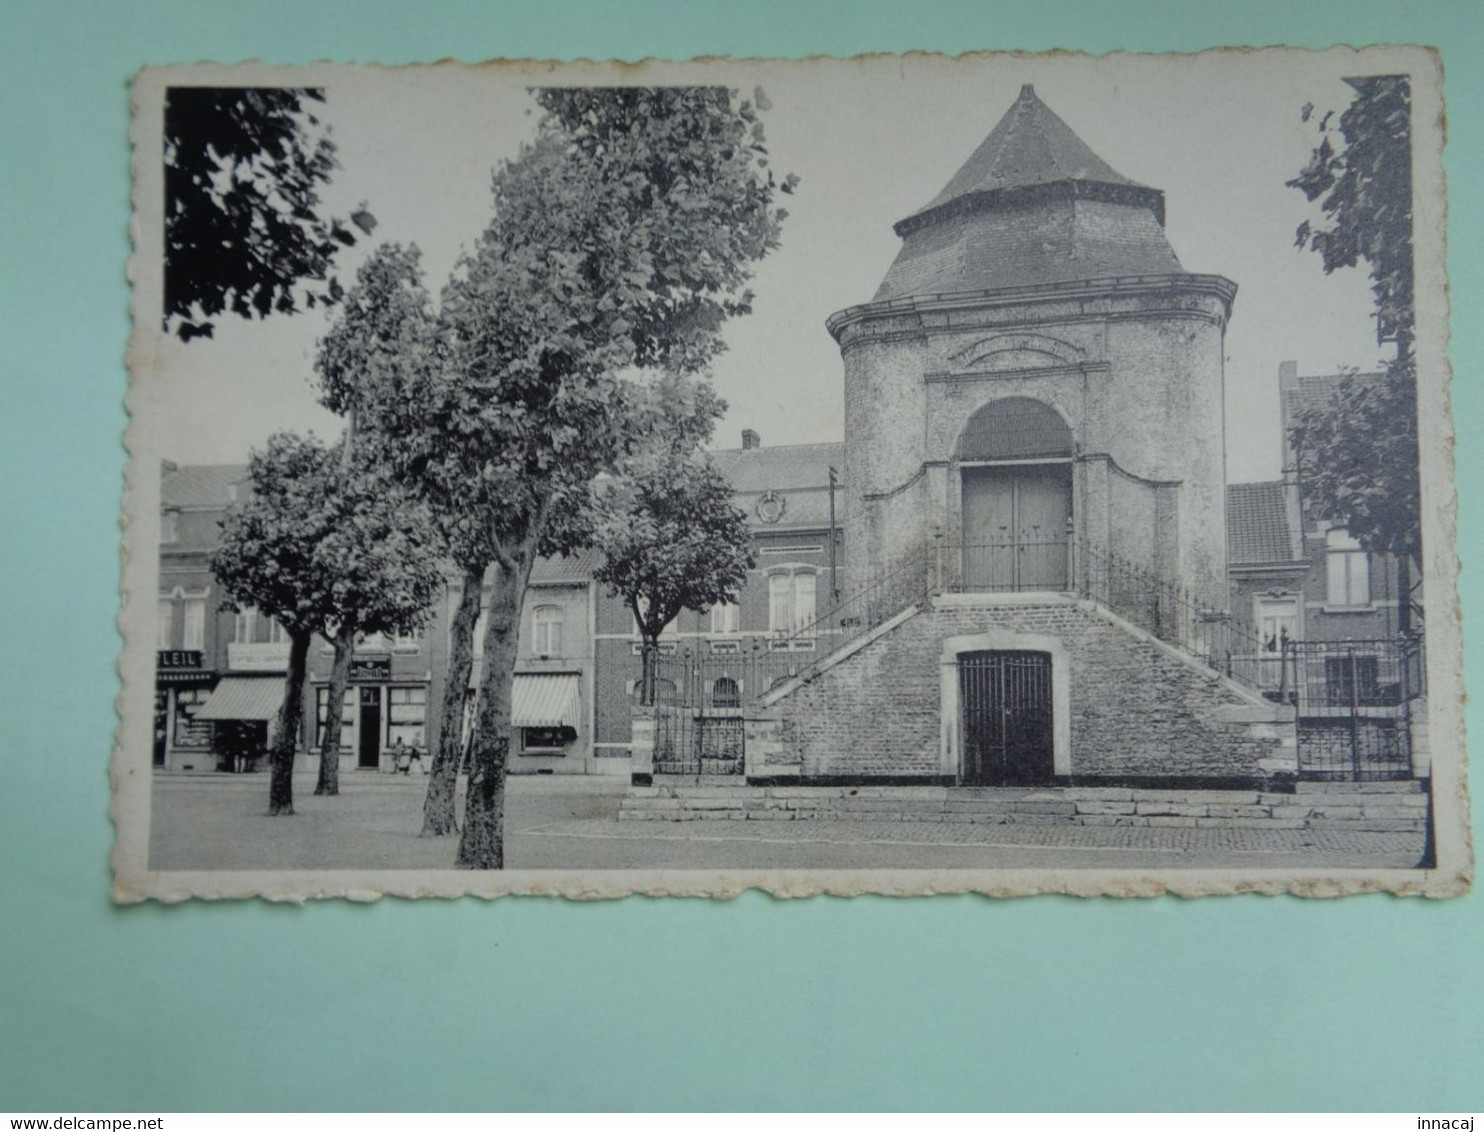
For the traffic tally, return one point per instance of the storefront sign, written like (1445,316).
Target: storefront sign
(364,668)
(178,658)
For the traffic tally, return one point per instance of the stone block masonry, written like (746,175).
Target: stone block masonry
(1138,709)
(1398,807)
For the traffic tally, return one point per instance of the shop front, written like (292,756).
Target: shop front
(182,686)
(384,713)
(242,712)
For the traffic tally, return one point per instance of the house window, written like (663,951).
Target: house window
(189,731)
(1348,571)
(665,691)
(668,631)
(791,601)
(1277,621)
(347,716)
(408,641)
(169,530)
(725,617)
(1352,680)
(165,625)
(1277,624)
(546,740)
(407,715)
(546,625)
(252,627)
(194,635)
(725,692)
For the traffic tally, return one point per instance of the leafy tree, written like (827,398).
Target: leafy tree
(1361,174)
(671,540)
(622,240)
(373,365)
(325,548)
(1358,453)
(244,167)
(1358,459)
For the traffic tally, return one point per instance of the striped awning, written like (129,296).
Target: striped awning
(244,697)
(546,701)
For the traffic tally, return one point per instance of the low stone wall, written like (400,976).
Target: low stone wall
(1361,807)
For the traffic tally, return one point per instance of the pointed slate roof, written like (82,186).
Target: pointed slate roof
(1029,146)
(1033,205)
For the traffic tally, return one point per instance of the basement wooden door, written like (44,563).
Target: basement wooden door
(1006,705)
(1016,522)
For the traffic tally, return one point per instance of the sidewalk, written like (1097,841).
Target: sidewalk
(572,823)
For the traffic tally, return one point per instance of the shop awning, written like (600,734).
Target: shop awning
(244,697)
(546,701)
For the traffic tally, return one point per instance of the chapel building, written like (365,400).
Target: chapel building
(1034,423)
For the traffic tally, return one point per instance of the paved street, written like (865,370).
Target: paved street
(220,822)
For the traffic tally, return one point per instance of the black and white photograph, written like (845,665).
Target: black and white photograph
(908,474)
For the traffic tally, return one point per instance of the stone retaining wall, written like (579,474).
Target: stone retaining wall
(1361,807)
(1137,708)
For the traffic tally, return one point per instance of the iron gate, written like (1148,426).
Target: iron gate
(1007,718)
(1353,702)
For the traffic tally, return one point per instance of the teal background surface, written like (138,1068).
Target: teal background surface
(959,1002)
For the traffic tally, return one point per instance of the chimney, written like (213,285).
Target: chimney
(750,439)
(1287,371)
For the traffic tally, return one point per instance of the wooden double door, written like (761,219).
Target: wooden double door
(1016,524)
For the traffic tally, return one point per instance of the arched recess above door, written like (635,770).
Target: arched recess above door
(1015,428)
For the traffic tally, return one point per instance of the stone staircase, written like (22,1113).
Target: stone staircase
(1360,807)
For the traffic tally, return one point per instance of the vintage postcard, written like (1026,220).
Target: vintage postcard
(1004,473)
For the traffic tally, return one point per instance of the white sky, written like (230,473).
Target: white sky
(872,142)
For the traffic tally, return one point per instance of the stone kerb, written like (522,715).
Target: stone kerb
(1395,807)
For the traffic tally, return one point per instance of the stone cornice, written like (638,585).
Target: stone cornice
(1213,286)
(941,377)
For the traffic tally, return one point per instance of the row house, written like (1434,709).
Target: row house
(1326,615)
(221,669)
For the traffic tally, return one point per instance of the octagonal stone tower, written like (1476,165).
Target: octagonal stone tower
(1038,381)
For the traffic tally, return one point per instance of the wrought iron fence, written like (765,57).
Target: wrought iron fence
(700,702)
(1354,700)
(1351,697)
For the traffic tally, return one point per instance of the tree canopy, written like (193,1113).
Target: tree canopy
(1361,174)
(672,539)
(623,238)
(322,542)
(244,233)
(1357,451)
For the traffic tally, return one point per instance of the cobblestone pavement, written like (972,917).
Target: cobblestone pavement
(219,822)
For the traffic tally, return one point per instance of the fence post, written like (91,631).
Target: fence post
(1071,556)
(1354,715)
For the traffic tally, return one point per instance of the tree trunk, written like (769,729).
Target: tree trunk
(329,754)
(648,668)
(290,720)
(482,845)
(443,772)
